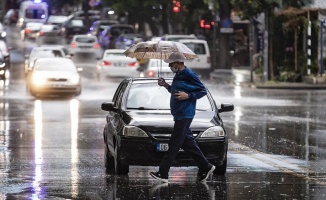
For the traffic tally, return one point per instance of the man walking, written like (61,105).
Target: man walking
(185,89)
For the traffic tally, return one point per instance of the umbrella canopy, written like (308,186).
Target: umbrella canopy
(159,50)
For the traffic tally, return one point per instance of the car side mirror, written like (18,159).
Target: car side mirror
(226,107)
(108,106)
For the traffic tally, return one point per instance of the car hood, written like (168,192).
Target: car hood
(56,74)
(163,119)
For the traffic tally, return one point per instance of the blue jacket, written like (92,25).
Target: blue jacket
(186,81)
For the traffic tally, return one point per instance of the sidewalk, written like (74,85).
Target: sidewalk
(242,77)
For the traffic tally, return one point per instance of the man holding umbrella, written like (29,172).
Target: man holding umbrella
(185,89)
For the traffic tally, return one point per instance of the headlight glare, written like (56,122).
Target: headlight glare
(133,131)
(3,34)
(38,80)
(74,79)
(214,132)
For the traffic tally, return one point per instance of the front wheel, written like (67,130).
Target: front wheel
(120,167)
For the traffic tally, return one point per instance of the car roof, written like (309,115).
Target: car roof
(56,58)
(192,40)
(85,35)
(146,80)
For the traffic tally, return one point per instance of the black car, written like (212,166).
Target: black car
(71,27)
(99,25)
(139,125)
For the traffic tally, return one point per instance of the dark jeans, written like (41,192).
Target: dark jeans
(182,137)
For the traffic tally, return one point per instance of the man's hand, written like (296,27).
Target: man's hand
(180,95)
(161,81)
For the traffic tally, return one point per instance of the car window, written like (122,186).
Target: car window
(197,48)
(150,96)
(85,39)
(119,93)
(113,54)
(46,53)
(35,13)
(77,23)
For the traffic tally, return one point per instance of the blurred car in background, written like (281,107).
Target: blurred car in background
(29,30)
(54,76)
(85,44)
(42,52)
(49,33)
(73,27)
(99,26)
(155,68)
(202,64)
(3,67)
(110,34)
(11,17)
(57,19)
(126,40)
(63,47)
(5,51)
(115,64)
(3,33)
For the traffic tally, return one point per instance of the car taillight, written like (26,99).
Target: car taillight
(41,33)
(73,45)
(27,31)
(208,59)
(96,46)
(151,73)
(105,63)
(133,64)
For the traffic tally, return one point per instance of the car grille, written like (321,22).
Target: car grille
(167,135)
(57,79)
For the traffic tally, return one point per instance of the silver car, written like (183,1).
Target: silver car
(49,33)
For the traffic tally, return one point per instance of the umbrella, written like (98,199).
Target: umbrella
(159,50)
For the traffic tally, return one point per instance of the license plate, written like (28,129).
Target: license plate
(163,147)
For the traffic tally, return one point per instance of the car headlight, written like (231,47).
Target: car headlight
(213,132)
(2,65)
(3,34)
(133,131)
(38,80)
(74,79)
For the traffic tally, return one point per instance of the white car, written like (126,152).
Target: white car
(42,52)
(115,64)
(201,65)
(85,44)
(49,33)
(54,76)
(30,29)
(156,68)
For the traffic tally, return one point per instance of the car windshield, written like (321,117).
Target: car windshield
(198,48)
(49,28)
(46,53)
(85,39)
(54,65)
(151,96)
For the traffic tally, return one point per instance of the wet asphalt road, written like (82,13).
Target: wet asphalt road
(52,148)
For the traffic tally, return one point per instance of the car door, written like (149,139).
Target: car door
(114,119)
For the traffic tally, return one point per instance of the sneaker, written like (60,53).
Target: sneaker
(202,176)
(159,176)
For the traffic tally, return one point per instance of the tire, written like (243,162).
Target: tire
(120,168)
(108,160)
(221,169)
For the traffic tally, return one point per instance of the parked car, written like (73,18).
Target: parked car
(3,33)
(110,34)
(54,76)
(11,17)
(126,40)
(30,29)
(202,64)
(3,67)
(5,51)
(156,68)
(115,64)
(73,27)
(85,44)
(42,52)
(49,33)
(139,126)
(99,26)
